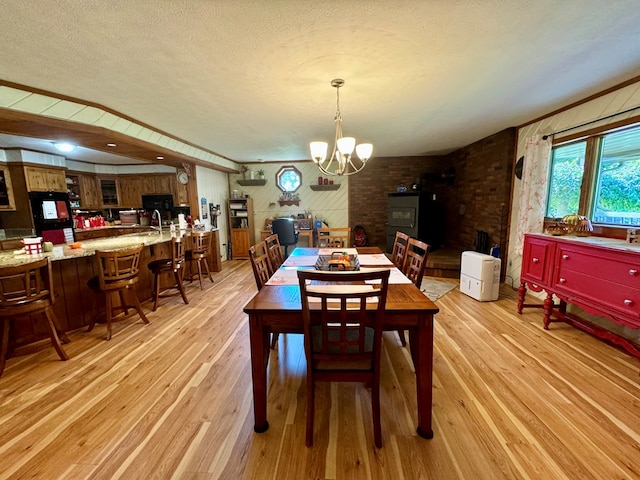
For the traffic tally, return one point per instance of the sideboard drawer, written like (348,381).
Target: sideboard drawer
(616,267)
(609,298)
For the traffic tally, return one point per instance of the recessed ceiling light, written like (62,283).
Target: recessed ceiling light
(64,146)
(112,144)
(159,157)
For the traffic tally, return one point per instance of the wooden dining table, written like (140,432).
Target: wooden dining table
(278,307)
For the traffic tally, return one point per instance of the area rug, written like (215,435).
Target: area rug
(434,289)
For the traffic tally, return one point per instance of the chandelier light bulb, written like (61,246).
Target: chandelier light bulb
(364,151)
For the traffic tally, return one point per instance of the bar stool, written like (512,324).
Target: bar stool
(24,290)
(200,246)
(118,272)
(173,264)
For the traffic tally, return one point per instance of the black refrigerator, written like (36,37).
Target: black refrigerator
(52,217)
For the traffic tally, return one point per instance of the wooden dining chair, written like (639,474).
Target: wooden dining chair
(274,251)
(25,290)
(175,264)
(198,255)
(262,271)
(118,272)
(414,266)
(399,253)
(337,237)
(259,258)
(343,333)
(398,257)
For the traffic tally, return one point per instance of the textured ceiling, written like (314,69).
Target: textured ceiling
(250,79)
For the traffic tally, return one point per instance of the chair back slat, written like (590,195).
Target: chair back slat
(200,243)
(344,331)
(260,263)
(416,261)
(337,237)
(274,251)
(399,253)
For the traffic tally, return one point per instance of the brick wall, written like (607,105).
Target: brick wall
(481,189)
(482,183)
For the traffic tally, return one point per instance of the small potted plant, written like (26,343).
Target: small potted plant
(261,174)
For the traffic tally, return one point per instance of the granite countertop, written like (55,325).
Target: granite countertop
(64,252)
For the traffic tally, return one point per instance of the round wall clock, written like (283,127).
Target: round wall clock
(183,178)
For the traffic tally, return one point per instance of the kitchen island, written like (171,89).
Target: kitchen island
(75,302)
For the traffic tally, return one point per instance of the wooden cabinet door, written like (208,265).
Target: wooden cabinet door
(42,179)
(182,194)
(129,192)
(109,191)
(537,260)
(163,184)
(240,243)
(147,185)
(89,191)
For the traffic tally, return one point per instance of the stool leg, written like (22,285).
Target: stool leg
(4,344)
(52,322)
(178,274)
(200,273)
(156,291)
(206,266)
(136,304)
(108,313)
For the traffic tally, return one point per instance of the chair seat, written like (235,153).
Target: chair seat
(161,265)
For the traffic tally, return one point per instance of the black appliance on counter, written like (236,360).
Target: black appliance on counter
(52,216)
(418,215)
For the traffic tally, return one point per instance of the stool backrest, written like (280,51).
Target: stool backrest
(25,288)
(118,268)
(177,252)
(200,243)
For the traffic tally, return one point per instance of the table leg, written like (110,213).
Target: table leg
(259,340)
(421,340)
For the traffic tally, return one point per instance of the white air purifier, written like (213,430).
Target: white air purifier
(480,276)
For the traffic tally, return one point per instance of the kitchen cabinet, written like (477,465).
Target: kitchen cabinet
(130,192)
(7,202)
(241,231)
(73,189)
(599,275)
(182,194)
(164,184)
(45,179)
(90,195)
(109,191)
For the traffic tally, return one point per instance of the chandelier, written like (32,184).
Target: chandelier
(341,161)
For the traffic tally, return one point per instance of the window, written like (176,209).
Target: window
(289,179)
(598,177)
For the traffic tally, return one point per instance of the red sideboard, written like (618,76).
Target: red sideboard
(600,275)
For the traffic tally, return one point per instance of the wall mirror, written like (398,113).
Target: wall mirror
(288,179)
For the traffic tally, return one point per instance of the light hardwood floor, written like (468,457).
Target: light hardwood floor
(173,400)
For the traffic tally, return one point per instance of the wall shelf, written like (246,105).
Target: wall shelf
(289,202)
(252,183)
(335,186)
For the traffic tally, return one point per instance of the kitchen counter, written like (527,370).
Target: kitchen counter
(64,252)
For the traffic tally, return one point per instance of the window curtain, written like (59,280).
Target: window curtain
(533,198)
